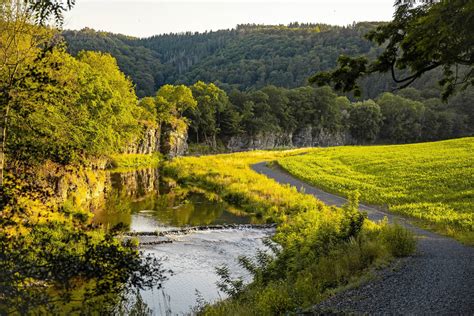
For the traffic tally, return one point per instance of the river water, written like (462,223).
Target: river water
(145,203)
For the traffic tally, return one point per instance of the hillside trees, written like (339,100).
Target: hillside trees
(435,34)
(250,56)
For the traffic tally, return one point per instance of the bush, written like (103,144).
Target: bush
(400,241)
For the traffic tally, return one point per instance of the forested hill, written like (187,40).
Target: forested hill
(249,56)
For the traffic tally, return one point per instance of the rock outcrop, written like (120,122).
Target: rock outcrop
(83,187)
(310,136)
(260,141)
(148,143)
(174,138)
(307,136)
(170,139)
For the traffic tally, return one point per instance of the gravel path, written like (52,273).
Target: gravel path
(437,280)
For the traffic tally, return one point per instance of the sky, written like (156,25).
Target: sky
(143,18)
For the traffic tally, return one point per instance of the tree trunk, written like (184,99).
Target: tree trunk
(3,147)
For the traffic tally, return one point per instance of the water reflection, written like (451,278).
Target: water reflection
(140,201)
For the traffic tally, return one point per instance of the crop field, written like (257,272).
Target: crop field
(431,182)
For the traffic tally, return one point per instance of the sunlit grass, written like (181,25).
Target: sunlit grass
(431,182)
(129,162)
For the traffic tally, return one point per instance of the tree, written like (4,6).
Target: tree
(280,107)
(364,121)
(174,100)
(434,34)
(21,43)
(402,118)
(87,107)
(206,116)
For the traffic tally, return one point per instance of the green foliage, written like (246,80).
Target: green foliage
(44,10)
(214,115)
(403,118)
(173,101)
(88,108)
(399,240)
(429,181)
(436,34)
(365,120)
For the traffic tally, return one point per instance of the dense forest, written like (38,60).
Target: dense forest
(249,56)
(260,86)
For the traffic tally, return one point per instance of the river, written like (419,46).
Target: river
(146,203)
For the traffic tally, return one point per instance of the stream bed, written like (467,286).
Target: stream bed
(144,204)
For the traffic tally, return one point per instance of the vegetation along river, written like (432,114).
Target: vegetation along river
(146,204)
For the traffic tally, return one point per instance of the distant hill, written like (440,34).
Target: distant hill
(249,56)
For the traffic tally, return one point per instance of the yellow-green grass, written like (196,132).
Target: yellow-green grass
(318,252)
(431,182)
(230,176)
(127,162)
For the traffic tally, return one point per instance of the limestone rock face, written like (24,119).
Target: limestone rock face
(303,137)
(307,136)
(260,141)
(83,187)
(170,139)
(148,143)
(174,139)
(310,136)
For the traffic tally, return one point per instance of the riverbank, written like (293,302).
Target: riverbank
(322,248)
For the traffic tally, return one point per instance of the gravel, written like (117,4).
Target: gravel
(437,280)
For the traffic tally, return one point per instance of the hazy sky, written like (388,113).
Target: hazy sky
(143,18)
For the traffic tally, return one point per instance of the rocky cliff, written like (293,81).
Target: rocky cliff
(170,139)
(307,136)
(82,187)
(148,142)
(174,138)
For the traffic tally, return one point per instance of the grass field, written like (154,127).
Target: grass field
(322,248)
(431,182)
